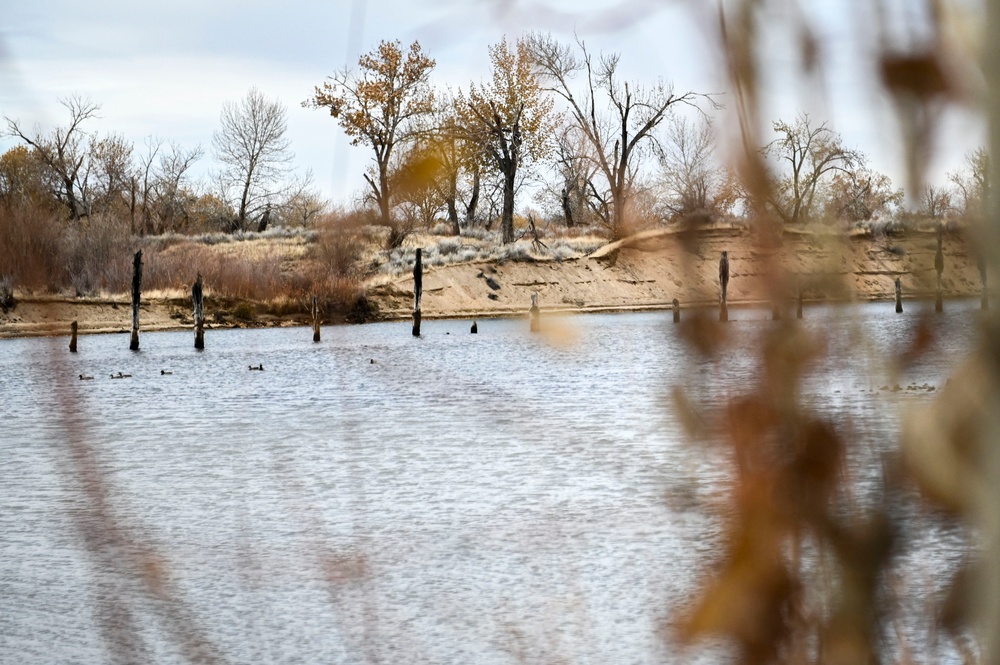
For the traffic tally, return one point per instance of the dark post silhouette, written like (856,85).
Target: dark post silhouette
(899,297)
(475,328)
(72,337)
(677,310)
(198,303)
(418,287)
(724,284)
(535,314)
(136,293)
(939,268)
(315,317)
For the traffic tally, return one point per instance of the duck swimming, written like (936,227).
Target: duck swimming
(259,368)
(86,378)
(164,372)
(121,376)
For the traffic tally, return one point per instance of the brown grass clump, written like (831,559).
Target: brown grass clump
(29,246)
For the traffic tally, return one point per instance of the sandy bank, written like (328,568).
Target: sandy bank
(646,271)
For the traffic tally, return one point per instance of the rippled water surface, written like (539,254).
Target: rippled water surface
(493,498)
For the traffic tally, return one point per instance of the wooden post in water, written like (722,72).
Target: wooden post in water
(72,337)
(984,301)
(475,328)
(418,287)
(535,314)
(677,310)
(939,268)
(899,297)
(724,283)
(315,316)
(136,293)
(198,303)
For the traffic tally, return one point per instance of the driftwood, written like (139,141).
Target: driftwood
(136,293)
(198,303)
(418,288)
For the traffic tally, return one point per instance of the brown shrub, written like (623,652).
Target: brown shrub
(30,252)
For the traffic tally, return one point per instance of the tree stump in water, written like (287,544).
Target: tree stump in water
(72,338)
(899,297)
(315,318)
(475,328)
(197,301)
(418,287)
(535,314)
(677,310)
(938,268)
(136,293)
(724,284)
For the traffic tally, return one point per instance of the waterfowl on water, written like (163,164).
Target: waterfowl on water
(121,376)
(164,372)
(259,368)
(85,378)
(371,361)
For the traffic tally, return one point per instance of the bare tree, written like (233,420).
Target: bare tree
(692,181)
(64,152)
(616,128)
(808,156)
(255,154)
(860,194)
(972,184)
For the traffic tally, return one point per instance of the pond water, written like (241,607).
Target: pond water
(493,498)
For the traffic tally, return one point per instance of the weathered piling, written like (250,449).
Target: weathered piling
(72,337)
(677,310)
(535,314)
(136,293)
(198,303)
(315,317)
(724,284)
(418,287)
(475,328)
(938,268)
(984,301)
(899,297)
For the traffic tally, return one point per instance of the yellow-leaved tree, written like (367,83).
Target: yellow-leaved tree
(379,105)
(511,118)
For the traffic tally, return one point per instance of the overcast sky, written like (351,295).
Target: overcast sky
(165,69)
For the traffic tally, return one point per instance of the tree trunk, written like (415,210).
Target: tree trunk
(507,219)
(453,215)
(315,318)
(471,208)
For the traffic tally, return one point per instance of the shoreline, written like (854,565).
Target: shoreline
(643,273)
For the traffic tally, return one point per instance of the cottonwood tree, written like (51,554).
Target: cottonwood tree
(616,118)
(692,182)
(861,194)
(807,157)
(255,154)
(64,152)
(24,180)
(379,106)
(510,118)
